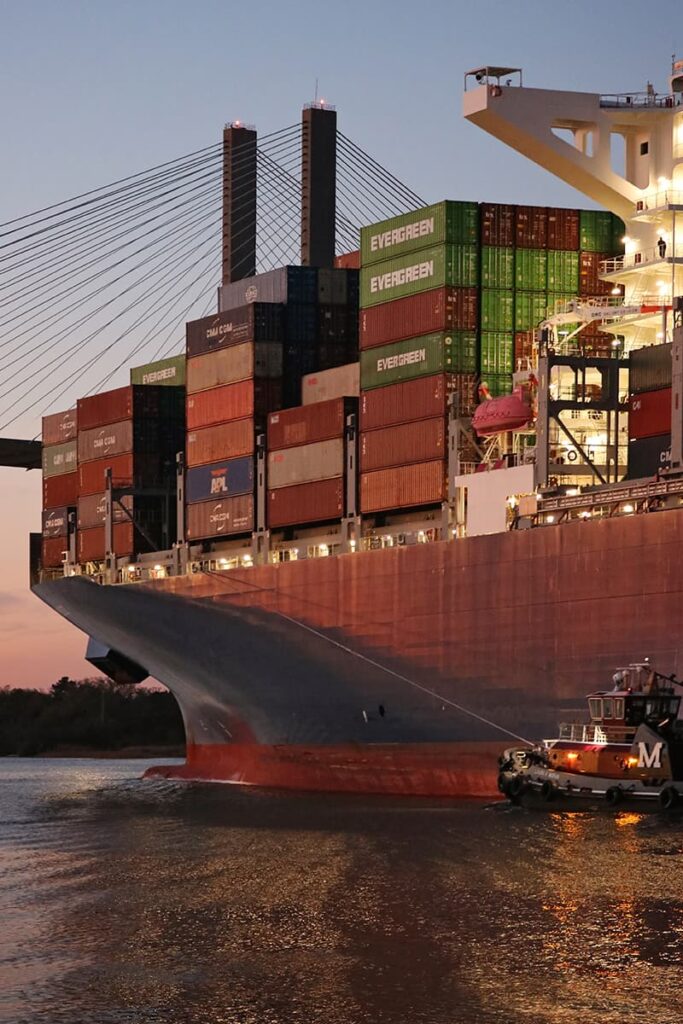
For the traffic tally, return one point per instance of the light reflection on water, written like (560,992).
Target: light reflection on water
(127,902)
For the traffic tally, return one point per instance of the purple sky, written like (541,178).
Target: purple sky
(94,92)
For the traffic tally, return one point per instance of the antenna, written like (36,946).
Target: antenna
(315,99)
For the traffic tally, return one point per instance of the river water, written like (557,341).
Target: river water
(136,902)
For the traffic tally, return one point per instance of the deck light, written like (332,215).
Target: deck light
(627,509)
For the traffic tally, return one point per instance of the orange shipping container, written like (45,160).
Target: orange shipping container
(420,441)
(225,441)
(90,543)
(306,503)
(348,260)
(233,402)
(423,483)
(126,470)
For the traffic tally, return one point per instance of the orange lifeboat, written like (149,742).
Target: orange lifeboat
(496,415)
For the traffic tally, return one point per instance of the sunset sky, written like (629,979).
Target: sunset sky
(92,92)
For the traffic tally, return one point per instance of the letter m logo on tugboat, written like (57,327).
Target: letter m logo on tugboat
(650,758)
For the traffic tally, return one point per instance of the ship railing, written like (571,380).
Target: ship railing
(627,100)
(642,258)
(659,200)
(581,732)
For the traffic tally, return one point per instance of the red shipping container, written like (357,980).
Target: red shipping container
(90,543)
(60,490)
(52,551)
(649,413)
(442,309)
(563,229)
(497,224)
(306,503)
(531,227)
(420,441)
(423,483)
(60,427)
(419,399)
(348,260)
(136,401)
(127,471)
(230,516)
(91,474)
(307,423)
(224,441)
(589,280)
(233,402)
(109,407)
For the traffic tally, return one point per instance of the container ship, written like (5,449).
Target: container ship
(390,509)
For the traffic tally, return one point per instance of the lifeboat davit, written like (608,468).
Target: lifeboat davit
(509,412)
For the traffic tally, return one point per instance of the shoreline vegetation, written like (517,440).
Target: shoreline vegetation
(90,718)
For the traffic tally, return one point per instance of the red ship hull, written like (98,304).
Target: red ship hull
(463,770)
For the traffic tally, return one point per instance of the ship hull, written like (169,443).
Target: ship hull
(375,671)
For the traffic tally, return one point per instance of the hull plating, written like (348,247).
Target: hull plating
(397,647)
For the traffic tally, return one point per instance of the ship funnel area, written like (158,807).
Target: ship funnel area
(113,664)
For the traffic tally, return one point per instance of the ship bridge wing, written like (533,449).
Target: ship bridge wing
(525,119)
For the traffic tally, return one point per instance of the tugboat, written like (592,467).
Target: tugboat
(632,748)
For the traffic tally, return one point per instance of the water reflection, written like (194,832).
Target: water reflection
(130,902)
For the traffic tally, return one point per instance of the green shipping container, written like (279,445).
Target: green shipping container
(436,267)
(497,267)
(530,310)
(497,310)
(449,221)
(531,269)
(563,271)
(498,384)
(169,371)
(418,357)
(497,352)
(600,231)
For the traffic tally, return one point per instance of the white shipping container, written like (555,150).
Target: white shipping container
(306,463)
(340,382)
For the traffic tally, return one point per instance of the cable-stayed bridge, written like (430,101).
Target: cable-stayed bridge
(108,278)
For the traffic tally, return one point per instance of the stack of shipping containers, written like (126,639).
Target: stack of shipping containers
(60,483)
(234,379)
(649,418)
(135,432)
(306,463)
(557,257)
(418,341)
(319,311)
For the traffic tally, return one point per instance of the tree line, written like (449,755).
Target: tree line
(87,713)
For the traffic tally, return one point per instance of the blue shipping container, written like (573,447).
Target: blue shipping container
(220,480)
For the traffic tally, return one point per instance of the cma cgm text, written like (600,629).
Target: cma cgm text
(418,272)
(386,239)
